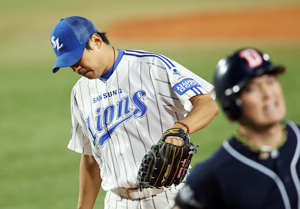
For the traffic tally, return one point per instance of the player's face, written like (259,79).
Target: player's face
(262,102)
(88,66)
(93,62)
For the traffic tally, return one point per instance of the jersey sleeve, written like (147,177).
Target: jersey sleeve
(183,84)
(79,141)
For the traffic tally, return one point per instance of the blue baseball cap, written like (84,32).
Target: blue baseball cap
(68,39)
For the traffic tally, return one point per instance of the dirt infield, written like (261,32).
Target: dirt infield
(273,24)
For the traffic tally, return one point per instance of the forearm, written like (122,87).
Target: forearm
(90,182)
(203,111)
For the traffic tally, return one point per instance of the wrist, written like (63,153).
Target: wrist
(184,126)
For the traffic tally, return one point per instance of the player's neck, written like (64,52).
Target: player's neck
(270,136)
(116,53)
(112,55)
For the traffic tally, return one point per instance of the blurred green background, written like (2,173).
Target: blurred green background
(37,169)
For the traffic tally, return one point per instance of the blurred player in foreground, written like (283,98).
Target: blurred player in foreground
(258,167)
(121,106)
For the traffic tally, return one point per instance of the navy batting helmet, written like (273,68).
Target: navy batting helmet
(234,72)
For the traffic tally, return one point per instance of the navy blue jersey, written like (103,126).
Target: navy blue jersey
(234,177)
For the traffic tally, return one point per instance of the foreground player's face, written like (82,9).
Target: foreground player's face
(93,62)
(262,102)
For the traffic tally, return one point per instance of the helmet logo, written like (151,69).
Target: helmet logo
(252,57)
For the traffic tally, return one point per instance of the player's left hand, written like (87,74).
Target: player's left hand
(175,141)
(167,163)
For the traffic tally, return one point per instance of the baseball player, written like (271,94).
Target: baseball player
(258,167)
(120,107)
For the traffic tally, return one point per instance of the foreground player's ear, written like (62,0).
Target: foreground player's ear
(96,40)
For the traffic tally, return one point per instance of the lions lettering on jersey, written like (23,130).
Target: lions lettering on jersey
(114,115)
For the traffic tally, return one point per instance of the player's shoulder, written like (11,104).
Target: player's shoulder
(210,172)
(219,160)
(291,124)
(140,53)
(292,129)
(146,56)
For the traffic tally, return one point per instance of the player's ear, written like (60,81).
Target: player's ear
(96,40)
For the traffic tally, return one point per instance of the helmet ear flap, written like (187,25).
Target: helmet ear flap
(232,107)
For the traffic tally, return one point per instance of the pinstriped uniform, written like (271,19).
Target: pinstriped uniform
(119,116)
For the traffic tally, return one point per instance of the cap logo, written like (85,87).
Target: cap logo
(56,43)
(252,57)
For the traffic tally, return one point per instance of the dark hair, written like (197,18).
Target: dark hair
(103,37)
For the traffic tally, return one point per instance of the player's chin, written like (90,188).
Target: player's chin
(272,120)
(90,75)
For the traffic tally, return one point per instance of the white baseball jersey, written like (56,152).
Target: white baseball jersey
(118,117)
